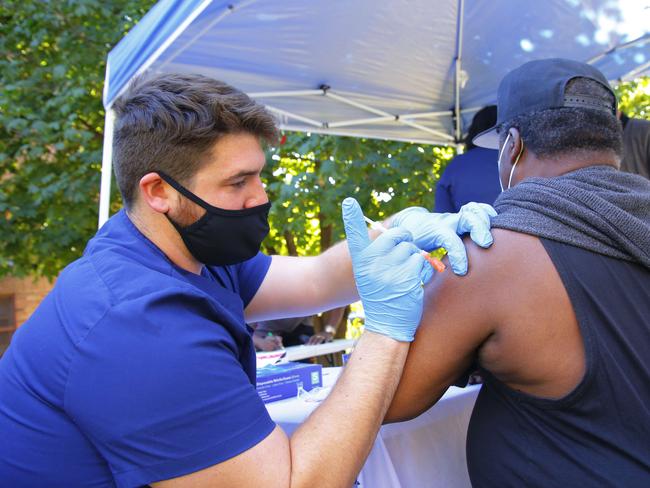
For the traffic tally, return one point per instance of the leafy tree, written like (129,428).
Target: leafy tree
(634,98)
(51,134)
(309,175)
(52,63)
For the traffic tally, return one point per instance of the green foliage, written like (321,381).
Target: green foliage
(309,175)
(51,133)
(634,98)
(52,63)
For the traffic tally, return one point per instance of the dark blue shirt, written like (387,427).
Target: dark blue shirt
(469,177)
(131,370)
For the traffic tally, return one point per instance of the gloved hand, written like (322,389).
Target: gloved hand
(389,273)
(433,230)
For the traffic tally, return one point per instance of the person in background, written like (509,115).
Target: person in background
(472,176)
(271,335)
(636,145)
(267,342)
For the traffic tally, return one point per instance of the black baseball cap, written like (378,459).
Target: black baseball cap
(539,85)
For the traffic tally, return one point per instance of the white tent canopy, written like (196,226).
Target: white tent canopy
(412,70)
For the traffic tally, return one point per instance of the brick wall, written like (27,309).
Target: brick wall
(25,294)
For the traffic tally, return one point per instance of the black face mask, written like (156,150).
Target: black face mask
(222,237)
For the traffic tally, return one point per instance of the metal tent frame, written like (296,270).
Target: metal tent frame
(193,21)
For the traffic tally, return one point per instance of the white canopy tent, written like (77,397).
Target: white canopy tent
(411,70)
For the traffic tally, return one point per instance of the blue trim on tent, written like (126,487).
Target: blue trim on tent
(142,41)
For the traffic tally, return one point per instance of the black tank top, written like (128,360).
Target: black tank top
(599,434)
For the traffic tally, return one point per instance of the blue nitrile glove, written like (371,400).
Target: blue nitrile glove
(433,230)
(389,273)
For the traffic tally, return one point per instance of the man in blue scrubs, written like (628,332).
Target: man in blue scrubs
(138,368)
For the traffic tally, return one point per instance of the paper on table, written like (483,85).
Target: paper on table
(270,358)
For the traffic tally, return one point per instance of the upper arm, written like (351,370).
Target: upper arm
(287,290)
(266,464)
(250,276)
(301,286)
(459,315)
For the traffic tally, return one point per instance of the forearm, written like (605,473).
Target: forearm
(333,277)
(334,281)
(332,318)
(350,417)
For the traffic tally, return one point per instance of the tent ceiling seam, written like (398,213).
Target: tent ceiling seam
(635,72)
(639,41)
(162,48)
(382,115)
(230,9)
(286,113)
(322,130)
(362,106)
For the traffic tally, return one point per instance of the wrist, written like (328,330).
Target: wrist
(376,336)
(397,335)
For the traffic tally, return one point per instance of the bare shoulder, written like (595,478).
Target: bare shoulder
(511,262)
(498,314)
(460,314)
(509,251)
(535,344)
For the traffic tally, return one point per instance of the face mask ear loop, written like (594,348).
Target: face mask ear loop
(512,171)
(505,143)
(183,191)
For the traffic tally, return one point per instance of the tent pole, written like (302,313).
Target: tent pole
(423,115)
(371,120)
(426,129)
(107,166)
(291,115)
(363,135)
(470,110)
(635,72)
(286,93)
(381,113)
(459,60)
(634,43)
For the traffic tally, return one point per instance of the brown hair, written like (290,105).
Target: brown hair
(170,122)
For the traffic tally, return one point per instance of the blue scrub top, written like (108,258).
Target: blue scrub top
(469,177)
(131,370)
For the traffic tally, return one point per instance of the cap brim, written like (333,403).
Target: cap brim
(488,139)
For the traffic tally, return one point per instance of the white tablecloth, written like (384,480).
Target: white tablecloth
(426,452)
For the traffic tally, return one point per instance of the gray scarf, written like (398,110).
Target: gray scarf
(597,208)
